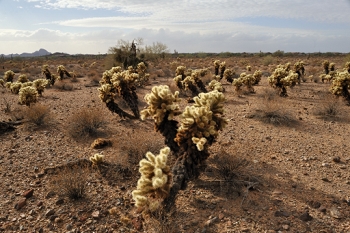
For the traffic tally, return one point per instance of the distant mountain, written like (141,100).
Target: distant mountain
(40,52)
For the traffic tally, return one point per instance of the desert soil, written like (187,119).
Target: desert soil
(292,172)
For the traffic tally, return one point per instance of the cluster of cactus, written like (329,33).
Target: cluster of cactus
(61,70)
(283,77)
(50,77)
(219,66)
(248,80)
(117,82)
(190,138)
(190,80)
(155,181)
(341,84)
(28,91)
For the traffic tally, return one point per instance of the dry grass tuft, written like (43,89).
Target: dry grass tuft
(329,109)
(85,123)
(273,112)
(63,86)
(71,182)
(37,115)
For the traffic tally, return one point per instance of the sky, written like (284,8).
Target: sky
(187,26)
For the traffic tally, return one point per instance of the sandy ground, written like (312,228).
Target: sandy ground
(291,170)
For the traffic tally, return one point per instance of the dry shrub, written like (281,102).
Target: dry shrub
(63,86)
(329,109)
(37,115)
(71,181)
(272,111)
(85,123)
(234,173)
(135,146)
(160,221)
(7,106)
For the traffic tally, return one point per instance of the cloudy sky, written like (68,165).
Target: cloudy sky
(93,26)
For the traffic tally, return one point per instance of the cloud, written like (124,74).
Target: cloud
(100,41)
(314,10)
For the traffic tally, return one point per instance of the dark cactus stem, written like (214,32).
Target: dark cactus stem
(130,98)
(193,89)
(222,70)
(283,92)
(168,128)
(326,70)
(61,74)
(113,107)
(216,70)
(229,79)
(201,86)
(67,74)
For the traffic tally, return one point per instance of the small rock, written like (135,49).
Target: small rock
(69,227)
(60,201)
(306,217)
(336,159)
(285,227)
(50,194)
(95,214)
(40,203)
(20,204)
(314,204)
(58,220)
(335,213)
(325,179)
(28,193)
(137,223)
(281,214)
(211,221)
(49,212)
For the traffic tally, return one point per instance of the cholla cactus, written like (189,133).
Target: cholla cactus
(161,104)
(299,69)
(28,95)
(92,64)
(248,80)
(154,184)
(22,78)
(248,68)
(143,76)
(163,107)
(202,120)
(216,86)
(257,76)
(332,66)
(14,87)
(347,66)
(326,66)
(229,75)
(9,75)
(222,69)
(61,70)
(178,82)
(281,78)
(40,85)
(340,85)
(180,70)
(107,75)
(45,71)
(216,66)
(116,82)
(97,159)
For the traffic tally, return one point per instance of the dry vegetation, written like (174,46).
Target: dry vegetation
(281,164)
